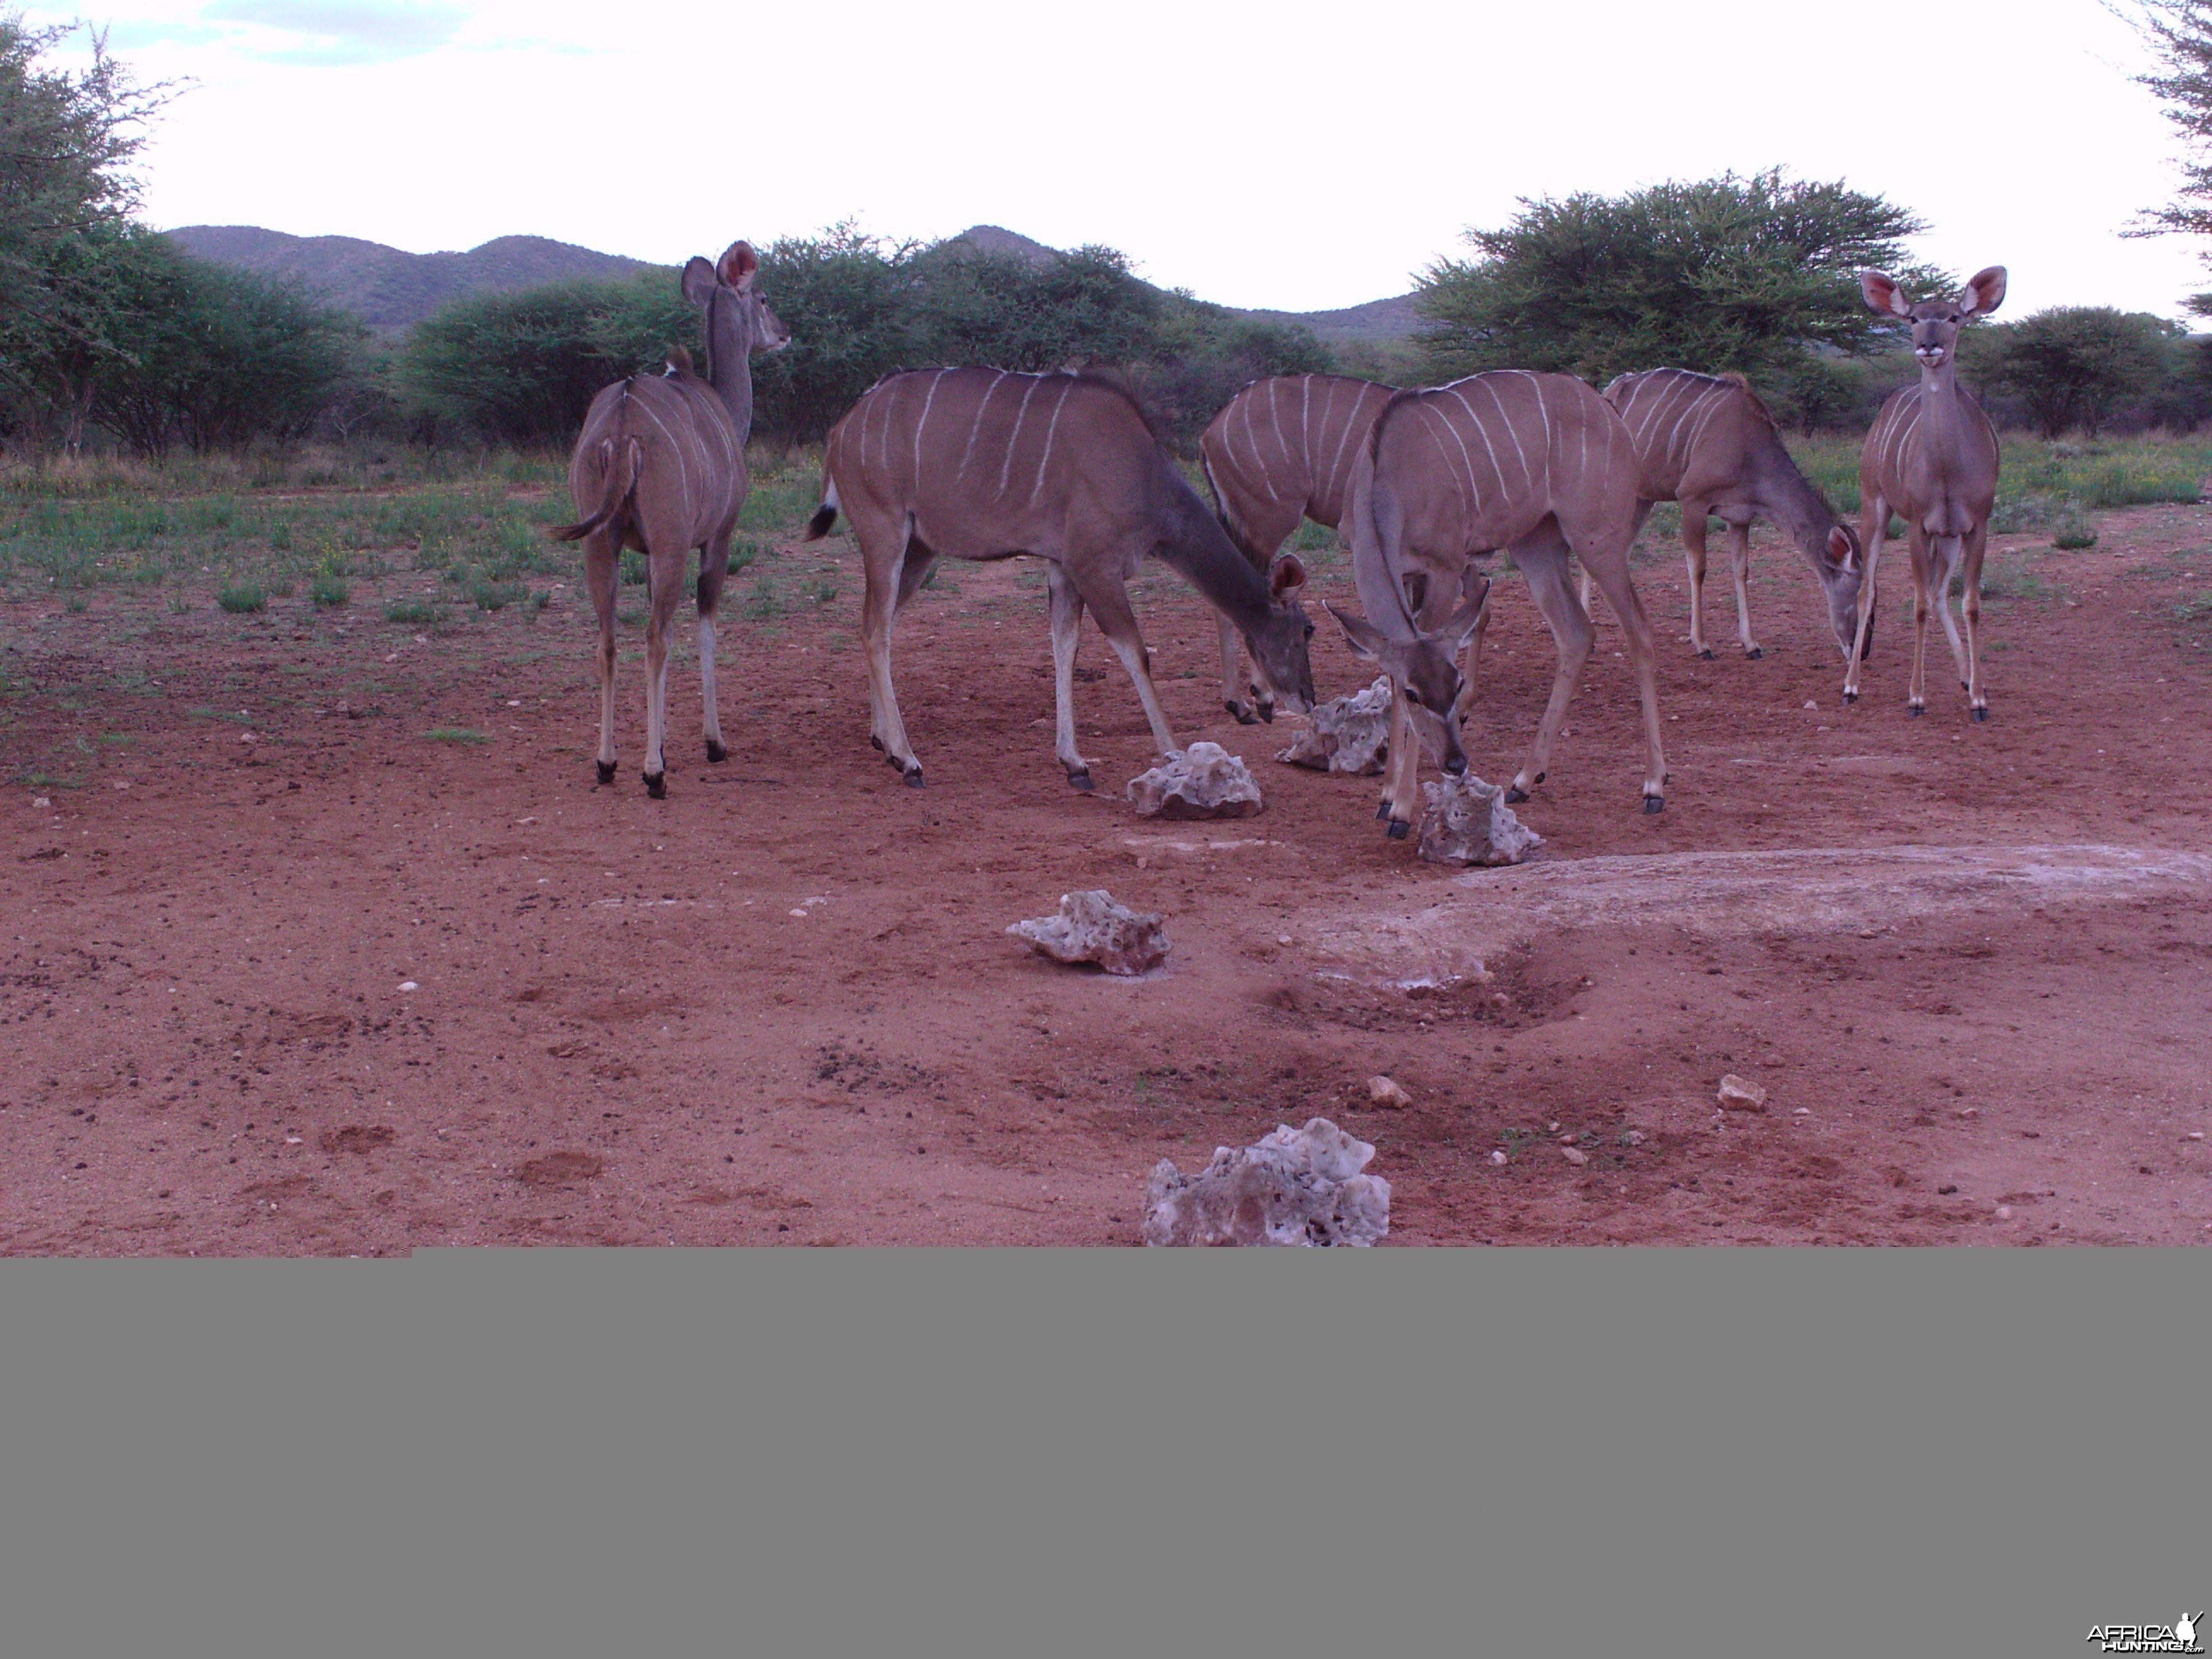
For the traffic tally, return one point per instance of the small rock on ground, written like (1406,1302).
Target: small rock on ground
(1296,1187)
(1469,823)
(1347,734)
(1742,1095)
(1091,927)
(1203,781)
(1387,1091)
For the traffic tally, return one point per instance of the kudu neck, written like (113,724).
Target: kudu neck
(729,360)
(1193,544)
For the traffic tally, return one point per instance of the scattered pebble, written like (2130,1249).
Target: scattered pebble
(1968,1111)
(1386,1091)
(2004,1212)
(292,1141)
(41,801)
(1810,704)
(406,985)
(1285,938)
(2196,1134)
(801,914)
(1742,1095)
(1574,1154)
(1633,1137)
(1551,1128)
(1498,1157)
(1802,1111)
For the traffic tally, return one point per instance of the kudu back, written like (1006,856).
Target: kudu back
(1538,464)
(660,468)
(1279,451)
(984,463)
(1931,458)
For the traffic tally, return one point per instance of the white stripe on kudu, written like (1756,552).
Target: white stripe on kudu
(1050,432)
(976,426)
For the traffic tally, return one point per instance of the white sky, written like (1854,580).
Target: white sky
(1294,156)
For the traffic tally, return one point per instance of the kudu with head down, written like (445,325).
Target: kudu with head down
(1539,464)
(982,463)
(1707,442)
(660,468)
(1932,459)
(1279,451)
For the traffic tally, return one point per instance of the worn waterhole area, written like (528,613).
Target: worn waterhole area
(1967,964)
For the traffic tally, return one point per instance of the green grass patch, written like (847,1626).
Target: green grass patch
(457,734)
(329,592)
(413,613)
(497,596)
(243,600)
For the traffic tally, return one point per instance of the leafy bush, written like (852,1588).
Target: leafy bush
(329,592)
(415,613)
(497,596)
(2073,529)
(243,600)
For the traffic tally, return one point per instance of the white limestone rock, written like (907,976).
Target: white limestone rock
(1296,1187)
(1092,927)
(1347,734)
(1469,823)
(1203,781)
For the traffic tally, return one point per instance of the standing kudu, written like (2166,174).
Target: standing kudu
(660,467)
(981,464)
(1932,459)
(1537,464)
(1710,444)
(1281,450)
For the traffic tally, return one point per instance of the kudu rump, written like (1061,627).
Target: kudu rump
(981,464)
(1536,463)
(1282,450)
(1932,459)
(660,468)
(1710,444)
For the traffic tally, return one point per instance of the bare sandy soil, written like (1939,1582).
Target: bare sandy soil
(1968,963)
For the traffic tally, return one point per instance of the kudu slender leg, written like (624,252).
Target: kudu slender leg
(1401,799)
(713,569)
(1693,551)
(601,571)
(1067,638)
(882,556)
(1915,701)
(1740,566)
(1643,655)
(1465,705)
(1109,605)
(665,580)
(1948,555)
(1543,558)
(1976,696)
(1231,660)
(1874,524)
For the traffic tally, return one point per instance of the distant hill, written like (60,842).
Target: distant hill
(391,290)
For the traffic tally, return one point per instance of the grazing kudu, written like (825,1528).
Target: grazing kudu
(1281,450)
(660,467)
(1536,463)
(1710,444)
(981,464)
(1932,459)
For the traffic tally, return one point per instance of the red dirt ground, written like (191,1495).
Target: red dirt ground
(781,1007)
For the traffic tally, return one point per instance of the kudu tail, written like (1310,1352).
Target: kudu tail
(824,516)
(623,458)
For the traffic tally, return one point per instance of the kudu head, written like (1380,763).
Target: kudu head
(1281,668)
(1841,566)
(1425,667)
(1936,323)
(739,321)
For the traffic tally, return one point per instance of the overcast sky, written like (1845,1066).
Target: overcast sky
(1292,155)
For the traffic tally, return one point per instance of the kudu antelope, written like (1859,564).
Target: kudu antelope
(1932,459)
(660,467)
(1710,444)
(981,464)
(1281,450)
(1536,463)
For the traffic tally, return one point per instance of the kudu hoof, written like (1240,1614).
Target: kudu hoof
(715,752)
(1704,656)
(1913,711)
(1244,716)
(1400,829)
(914,779)
(1268,712)
(1079,778)
(1382,813)
(891,760)
(1755,653)
(876,744)
(656,785)
(1850,697)
(1515,795)
(1654,804)
(606,771)
(1981,714)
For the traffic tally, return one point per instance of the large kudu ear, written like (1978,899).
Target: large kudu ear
(1286,578)
(1459,627)
(1884,296)
(1984,294)
(1842,549)
(739,265)
(698,281)
(1365,639)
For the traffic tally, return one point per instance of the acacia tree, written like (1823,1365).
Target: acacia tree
(2070,366)
(1735,272)
(2179,34)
